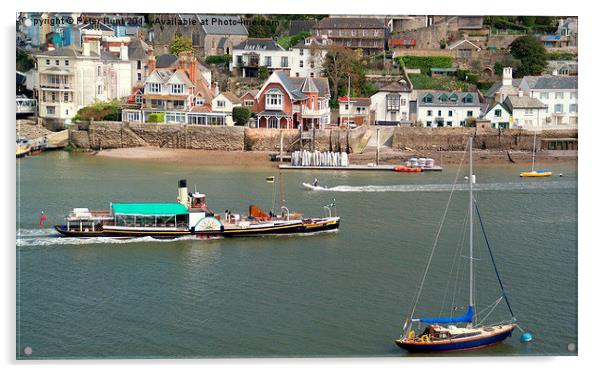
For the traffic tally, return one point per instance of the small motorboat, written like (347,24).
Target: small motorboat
(314,187)
(406,169)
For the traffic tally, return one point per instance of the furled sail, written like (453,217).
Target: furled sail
(450,320)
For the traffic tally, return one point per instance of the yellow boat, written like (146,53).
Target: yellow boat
(22,150)
(539,173)
(534,172)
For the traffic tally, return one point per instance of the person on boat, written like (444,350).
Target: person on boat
(315,183)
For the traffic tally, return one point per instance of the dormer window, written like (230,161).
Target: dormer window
(468,98)
(138,98)
(453,98)
(428,99)
(273,99)
(153,87)
(443,98)
(177,89)
(198,101)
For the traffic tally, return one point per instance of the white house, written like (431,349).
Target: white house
(254,53)
(499,115)
(223,104)
(391,104)
(527,112)
(307,57)
(558,93)
(447,109)
(69,79)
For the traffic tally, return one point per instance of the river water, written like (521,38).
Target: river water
(333,294)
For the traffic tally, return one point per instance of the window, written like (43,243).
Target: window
(468,98)
(139,77)
(403,102)
(53,97)
(297,75)
(284,61)
(346,106)
(66,62)
(47,62)
(439,113)
(196,39)
(450,113)
(221,103)
(572,108)
(133,116)
(99,71)
(544,95)
(311,75)
(199,101)
(50,110)
(66,111)
(498,112)
(138,64)
(249,102)
(573,95)
(177,89)
(449,124)
(273,99)
(300,63)
(429,113)
(469,113)
(428,98)
(558,108)
(138,98)
(463,123)
(66,97)
(273,122)
(99,90)
(56,62)
(301,52)
(153,87)
(268,60)
(528,111)
(559,95)
(393,102)
(429,123)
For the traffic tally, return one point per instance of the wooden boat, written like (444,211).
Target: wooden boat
(533,172)
(462,332)
(189,216)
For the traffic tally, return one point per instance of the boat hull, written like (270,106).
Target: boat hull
(461,344)
(124,233)
(295,228)
(536,174)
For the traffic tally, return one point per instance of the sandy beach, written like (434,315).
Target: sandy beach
(262,158)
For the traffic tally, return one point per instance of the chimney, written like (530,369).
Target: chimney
(187,62)
(123,52)
(50,47)
(507,77)
(151,63)
(520,92)
(86,49)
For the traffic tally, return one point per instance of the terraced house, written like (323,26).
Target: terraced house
(250,55)
(446,108)
(367,34)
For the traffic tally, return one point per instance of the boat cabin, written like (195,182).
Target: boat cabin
(150,215)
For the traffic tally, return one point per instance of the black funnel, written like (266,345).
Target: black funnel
(182,183)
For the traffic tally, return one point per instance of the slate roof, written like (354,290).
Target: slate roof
(485,110)
(259,44)
(350,23)
(401,86)
(166,60)
(443,98)
(294,85)
(497,85)
(137,49)
(523,102)
(551,82)
(231,97)
(308,86)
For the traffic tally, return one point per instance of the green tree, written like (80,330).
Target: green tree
(531,54)
(263,73)
(180,44)
(339,64)
(100,110)
(24,61)
(156,118)
(241,115)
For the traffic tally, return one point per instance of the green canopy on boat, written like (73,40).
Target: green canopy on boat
(156,209)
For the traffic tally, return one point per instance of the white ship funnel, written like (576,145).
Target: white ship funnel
(183,192)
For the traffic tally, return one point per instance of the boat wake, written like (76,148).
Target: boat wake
(48,237)
(449,187)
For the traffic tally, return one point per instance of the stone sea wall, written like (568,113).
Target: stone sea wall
(106,135)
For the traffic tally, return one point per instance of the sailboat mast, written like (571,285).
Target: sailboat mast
(533,156)
(470,208)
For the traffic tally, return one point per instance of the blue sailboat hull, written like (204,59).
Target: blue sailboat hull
(450,345)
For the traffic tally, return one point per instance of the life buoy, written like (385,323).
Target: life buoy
(425,338)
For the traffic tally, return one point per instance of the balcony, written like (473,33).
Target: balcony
(313,113)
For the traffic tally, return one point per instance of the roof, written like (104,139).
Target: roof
(166,60)
(294,85)
(497,85)
(231,97)
(216,24)
(523,102)
(359,101)
(137,49)
(308,85)
(149,209)
(491,106)
(551,82)
(351,22)
(444,69)
(252,92)
(449,98)
(460,42)
(401,86)
(259,44)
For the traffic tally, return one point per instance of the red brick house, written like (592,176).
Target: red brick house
(286,102)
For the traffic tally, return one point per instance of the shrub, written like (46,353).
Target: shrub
(219,59)
(100,110)
(156,118)
(426,63)
(263,72)
(241,115)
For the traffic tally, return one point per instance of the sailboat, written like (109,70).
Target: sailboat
(462,332)
(534,172)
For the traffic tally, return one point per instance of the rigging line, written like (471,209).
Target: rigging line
(458,264)
(492,259)
(489,313)
(428,263)
(451,272)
